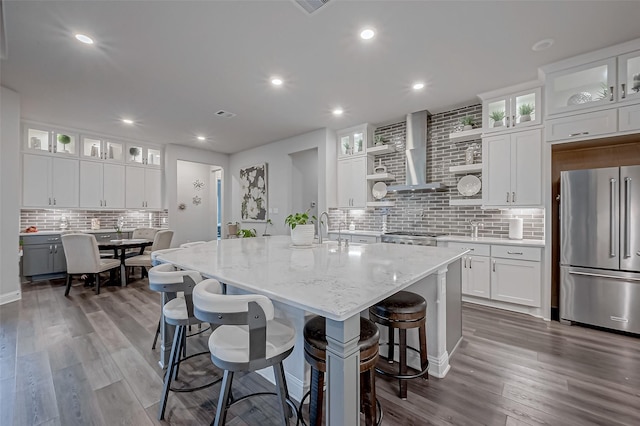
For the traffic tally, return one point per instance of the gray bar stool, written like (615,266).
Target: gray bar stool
(404,310)
(248,338)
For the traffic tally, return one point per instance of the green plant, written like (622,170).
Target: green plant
(346,146)
(296,219)
(467,120)
(134,151)
(266,225)
(526,109)
(246,233)
(497,115)
(603,93)
(377,139)
(64,139)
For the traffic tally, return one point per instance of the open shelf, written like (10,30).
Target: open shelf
(381,149)
(470,202)
(381,203)
(381,176)
(466,168)
(466,135)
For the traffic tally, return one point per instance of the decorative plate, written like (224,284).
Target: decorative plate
(379,190)
(469,185)
(579,98)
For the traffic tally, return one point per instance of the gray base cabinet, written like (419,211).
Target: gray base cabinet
(42,255)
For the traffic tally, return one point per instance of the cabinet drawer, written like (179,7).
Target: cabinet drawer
(629,118)
(363,239)
(476,249)
(582,126)
(515,252)
(334,237)
(41,239)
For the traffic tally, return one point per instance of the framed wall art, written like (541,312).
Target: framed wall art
(253,188)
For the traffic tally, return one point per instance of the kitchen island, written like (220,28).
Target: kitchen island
(337,283)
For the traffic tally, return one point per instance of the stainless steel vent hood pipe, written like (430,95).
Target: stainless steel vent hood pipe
(416,156)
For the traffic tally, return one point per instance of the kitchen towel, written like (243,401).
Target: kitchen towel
(515,229)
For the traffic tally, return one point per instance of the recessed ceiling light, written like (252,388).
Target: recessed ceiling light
(276,81)
(338,111)
(127,121)
(367,34)
(202,138)
(542,44)
(418,86)
(84,38)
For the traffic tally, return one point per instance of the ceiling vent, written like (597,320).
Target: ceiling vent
(311,6)
(224,114)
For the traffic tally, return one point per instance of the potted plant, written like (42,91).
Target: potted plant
(467,122)
(64,140)
(246,233)
(525,111)
(134,151)
(302,228)
(347,147)
(232,228)
(497,117)
(378,140)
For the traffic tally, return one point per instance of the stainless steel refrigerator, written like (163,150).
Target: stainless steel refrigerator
(600,247)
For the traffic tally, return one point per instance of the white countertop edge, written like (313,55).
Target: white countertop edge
(492,240)
(369,233)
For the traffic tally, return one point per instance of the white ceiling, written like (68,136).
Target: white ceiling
(172,64)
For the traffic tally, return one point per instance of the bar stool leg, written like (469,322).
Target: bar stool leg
(155,339)
(317,398)
(424,361)
(175,350)
(368,396)
(98,283)
(403,361)
(392,346)
(283,392)
(223,400)
(66,291)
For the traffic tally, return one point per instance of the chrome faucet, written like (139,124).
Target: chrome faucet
(346,243)
(320,226)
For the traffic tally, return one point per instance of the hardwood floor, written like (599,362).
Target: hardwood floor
(87,359)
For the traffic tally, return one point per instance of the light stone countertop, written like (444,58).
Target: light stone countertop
(492,240)
(324,279)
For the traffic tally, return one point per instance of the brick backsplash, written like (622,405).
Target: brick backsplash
(49,219)
(430,211)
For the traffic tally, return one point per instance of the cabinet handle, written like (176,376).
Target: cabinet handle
(494,266)
(49,200)
(515,252)
(54,201)
(100,203)
(55,148)
(507,196)
(470,262)
(105,203)
(50,248)
(55,248)
(50,149)
(578,134)
(624,90)
(513,197)
(52,239)
(513,121)
(611,93)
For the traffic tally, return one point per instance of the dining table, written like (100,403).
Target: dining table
(338,283)
(120,248)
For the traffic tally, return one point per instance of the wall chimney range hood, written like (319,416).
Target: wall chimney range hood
(416,157)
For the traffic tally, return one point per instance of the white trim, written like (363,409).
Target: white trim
(534,312)
(10,297)
(511,89)
(295,386)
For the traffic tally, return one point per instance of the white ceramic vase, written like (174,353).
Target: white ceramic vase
(302,235)
(524,118)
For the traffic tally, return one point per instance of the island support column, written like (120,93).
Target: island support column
(343,372)
(439,367)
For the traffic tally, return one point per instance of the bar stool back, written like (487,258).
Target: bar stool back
(248,338)
(404,310)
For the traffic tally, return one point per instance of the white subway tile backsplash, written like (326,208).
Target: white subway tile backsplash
(49,219)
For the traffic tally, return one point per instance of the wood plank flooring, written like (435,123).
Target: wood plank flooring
(87,360)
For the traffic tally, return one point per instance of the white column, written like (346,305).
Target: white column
(343,372)
(439,366)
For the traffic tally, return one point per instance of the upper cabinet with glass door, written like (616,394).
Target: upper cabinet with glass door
(629,76)
(354,140)
(101,149)
(144,155)
(43,139)
(511,108)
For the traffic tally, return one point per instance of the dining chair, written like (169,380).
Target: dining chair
(161,241)
(191,244)
(83,257)
(146,233)
(247,338)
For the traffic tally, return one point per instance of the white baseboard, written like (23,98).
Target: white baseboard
(534,312)
(10,297)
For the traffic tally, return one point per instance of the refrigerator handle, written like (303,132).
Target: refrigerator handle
(627,217)
(612,219)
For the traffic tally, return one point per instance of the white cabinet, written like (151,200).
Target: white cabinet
(46,140)
(49,181)
(476,276)
(581,126)
(515,281)
(512,169)
(511,110)
(353,189)
(629,76)
(629,118)
(101,149)
(144,155)
(102,185)
(354,140)
(143,188)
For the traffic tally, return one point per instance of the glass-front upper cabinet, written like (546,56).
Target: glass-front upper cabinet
(513,110)
(46,140)
(101,149)
(580,87)
(629,76)
(354,140)
(144,155)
